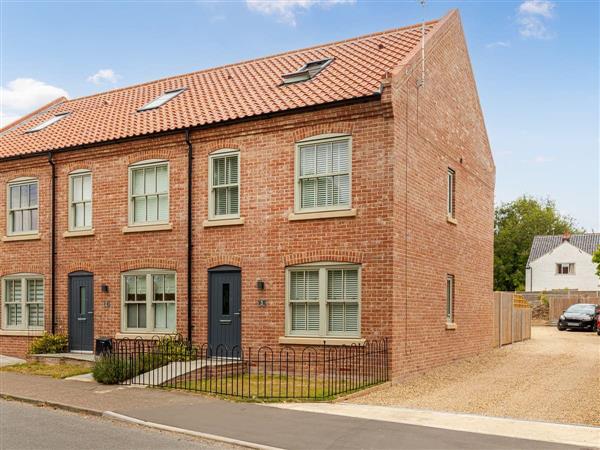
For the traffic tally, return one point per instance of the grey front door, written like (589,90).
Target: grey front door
(81,311)
(225,308)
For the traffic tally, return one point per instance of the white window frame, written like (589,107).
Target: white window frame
(450,297)
(323,138)
(150,328)
(23,278)
(222,153)
(131,211)
(570,269)
(19,182)
(451,193)
(72,176)
(323,268)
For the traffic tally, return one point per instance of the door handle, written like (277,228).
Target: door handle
(237,313)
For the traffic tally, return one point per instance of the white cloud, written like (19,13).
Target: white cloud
(285,10)
(104,75)
(498,44)
(532,18)
(542,8)
(23,95)
(542,159)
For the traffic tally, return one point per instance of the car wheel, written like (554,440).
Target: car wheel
(561,328)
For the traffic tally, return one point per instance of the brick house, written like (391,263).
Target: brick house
(326,194)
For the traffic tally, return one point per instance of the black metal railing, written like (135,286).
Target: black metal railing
(312,372)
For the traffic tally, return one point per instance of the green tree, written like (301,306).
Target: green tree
(596,259)
(516,223)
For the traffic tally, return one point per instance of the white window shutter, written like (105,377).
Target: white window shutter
(336,317)
(351,317)
(298,316)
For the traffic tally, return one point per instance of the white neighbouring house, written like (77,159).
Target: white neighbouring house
(562,262)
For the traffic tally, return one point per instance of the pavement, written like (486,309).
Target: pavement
(248,424)
(10,361)
(83,432)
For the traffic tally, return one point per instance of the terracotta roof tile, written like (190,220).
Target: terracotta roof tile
(236,91)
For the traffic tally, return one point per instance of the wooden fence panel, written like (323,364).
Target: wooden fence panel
(512,318)
(557,305)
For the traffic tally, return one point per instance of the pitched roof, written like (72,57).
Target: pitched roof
(542,245)
(236,91)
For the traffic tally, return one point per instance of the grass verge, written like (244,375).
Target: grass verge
(269,388)
(48,370)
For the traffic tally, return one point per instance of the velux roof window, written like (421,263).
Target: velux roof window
(161,100)
(307,71)
(48,122)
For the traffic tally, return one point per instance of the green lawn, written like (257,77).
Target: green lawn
(48,370)
(266,387)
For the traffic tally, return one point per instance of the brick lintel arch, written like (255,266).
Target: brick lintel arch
(26,268)
(79,266)
(148,263)
(325,128)
(166,154)
(221,144)
(223,259)
(346,256)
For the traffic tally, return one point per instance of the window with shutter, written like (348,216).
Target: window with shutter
(323,176)
(80,198)
(451,193)
(323,300)
(224,185)
(149,193)
(23,302)
(149,301)
(450,299)
(23,207)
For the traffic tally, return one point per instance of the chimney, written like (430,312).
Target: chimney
(566,236)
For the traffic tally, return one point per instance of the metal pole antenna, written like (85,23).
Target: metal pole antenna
(422,83)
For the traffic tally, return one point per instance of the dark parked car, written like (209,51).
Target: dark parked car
(598,324)
(581,316)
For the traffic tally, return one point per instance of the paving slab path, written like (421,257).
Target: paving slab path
(256,425)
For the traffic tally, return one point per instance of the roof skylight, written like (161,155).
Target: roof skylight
(307,71)
(162,99)
(48,122)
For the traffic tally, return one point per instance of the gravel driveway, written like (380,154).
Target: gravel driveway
(554,377)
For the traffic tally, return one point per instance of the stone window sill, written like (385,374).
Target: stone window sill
(223,222)
(450,326)
(77,233)
(21,332)
(147,228)
(299,340)
(451,220)
(21,237)
(133,335)
(322,214)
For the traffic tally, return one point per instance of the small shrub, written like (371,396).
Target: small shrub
(544,298)
(172,349)
(111,370)
(49,343)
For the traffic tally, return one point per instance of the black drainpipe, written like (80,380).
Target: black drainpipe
(52,241)
(189,235)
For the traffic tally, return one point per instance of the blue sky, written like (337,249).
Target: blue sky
(536,64)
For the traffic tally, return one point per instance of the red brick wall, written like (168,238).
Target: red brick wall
(401,149)
(440,125)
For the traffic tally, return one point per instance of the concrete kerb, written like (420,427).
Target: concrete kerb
(158,426)
(58,405)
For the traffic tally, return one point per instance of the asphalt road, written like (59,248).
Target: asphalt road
(27,427)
